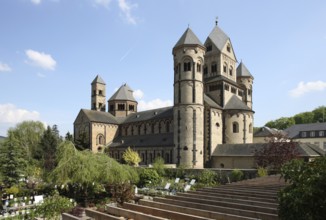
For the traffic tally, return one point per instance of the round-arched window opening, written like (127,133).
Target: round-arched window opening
(99,149)
(185,148)
(218,124)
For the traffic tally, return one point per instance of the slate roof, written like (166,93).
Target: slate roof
(149,140)
(123,93)
(242,71)
(266,131)
(294,130)
(188,38)
(153,114)
(218,78)
(210,102)
(98,79)
(242,150)
(99,116)
(218,37)
(236,104)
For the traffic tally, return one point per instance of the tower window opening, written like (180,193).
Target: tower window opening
(186,66)
(231,71)
(233,90)
(94,105)
(94,92)
(205,70)
(111,107)
(250,128)
(209,47)
(121,107)
(214,68)
(240,93)
(100,92)
(249,91)
(198,67)
(224,68)
(227,87)
(228,48)
(131,108)
(235,127)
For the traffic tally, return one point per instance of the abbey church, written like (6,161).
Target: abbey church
(212,109)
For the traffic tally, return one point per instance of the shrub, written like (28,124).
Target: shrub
(53,206)
(236,175)
(207,177)
(158,165)
(131,157)
(261,171)
(148,177)
(12,190)
(122,193)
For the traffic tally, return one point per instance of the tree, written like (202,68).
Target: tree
(131,157)
(279,150)
(281,123)
(13,160)
(69,137)
(158,165)
(82,141)
(304,198)
(48,146)
(85,170)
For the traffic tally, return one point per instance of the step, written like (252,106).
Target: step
(193,211)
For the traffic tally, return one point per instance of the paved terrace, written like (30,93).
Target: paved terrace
(249,199)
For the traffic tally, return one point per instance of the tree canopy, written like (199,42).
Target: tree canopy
(304,198)
(131,157)
(317,115)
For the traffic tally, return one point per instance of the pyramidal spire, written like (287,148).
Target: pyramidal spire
(243,71)
(188,38)
(98,79)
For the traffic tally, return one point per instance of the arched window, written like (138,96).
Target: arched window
(167,158)
(214,68)
(231,71)
(235,127)
(208,47)
(187,65)
(100,139)
(228,48)
(152,128)
(167,127)
(139,126)
(198,67)
(225,68)
(205,70)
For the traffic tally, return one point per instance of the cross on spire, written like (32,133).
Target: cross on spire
(216,20)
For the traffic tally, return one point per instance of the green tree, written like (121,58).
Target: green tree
(13,160)
(304,118)
(304,197)
(85,170)
(319,114)
(27,135)
(281,123)
(131,157)
(48,146)
(82,141)
(69,137)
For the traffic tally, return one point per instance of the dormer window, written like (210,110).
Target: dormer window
(303,134)
(228,48)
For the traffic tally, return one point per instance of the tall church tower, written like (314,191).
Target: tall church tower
(188,110)
(98,94)
(245,79)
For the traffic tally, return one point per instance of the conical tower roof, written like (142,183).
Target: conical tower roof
(123,93)
(188,38)
(98,79)
(242,71)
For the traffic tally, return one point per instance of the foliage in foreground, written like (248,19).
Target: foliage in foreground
(53,206)
(305,197)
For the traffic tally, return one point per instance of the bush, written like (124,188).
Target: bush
(148,177)
(207,177)
(122,193)
(53,206)
(236,175)
(14,190)
(261,171)
(158,165)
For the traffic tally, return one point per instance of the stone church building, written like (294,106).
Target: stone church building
(212,108)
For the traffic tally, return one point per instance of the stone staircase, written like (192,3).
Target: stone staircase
(250,199)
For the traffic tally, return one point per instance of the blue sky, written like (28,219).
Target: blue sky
(51,50)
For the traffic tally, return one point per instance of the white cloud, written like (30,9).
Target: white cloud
(4,67)
(9,113)
(138,94)
(304,88)
(41,59)
(36,2)
(126,8)
(156,103)
(104,3)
